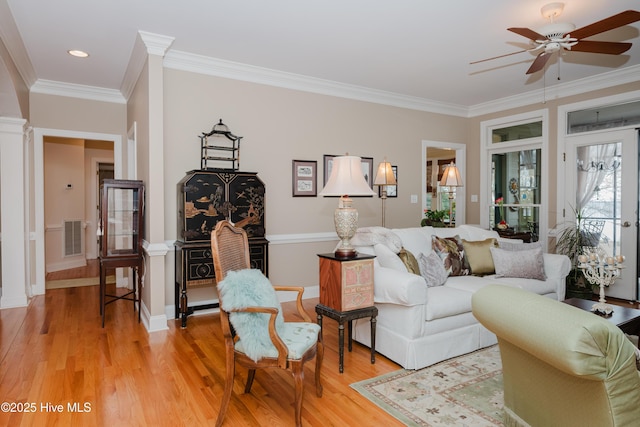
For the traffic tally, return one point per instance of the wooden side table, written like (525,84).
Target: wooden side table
(348,316)
(346,293)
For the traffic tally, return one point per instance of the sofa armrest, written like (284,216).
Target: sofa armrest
(398,287)
(556,266)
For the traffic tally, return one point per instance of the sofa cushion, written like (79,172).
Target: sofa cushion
(539,287)
(409,261)
(414,240)
(451,252)
(432,270)
(444,301)
(387,258)
(479,255)
(469,283)
(526,264)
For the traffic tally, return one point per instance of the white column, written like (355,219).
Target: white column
(13,213)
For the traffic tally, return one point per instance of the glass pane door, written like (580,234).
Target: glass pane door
(604,180)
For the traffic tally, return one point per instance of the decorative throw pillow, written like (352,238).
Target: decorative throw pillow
(517,246)
(432,270)
(409,261)
(451,252)
(479,255)
(387,258)
(525,264)
(247,288)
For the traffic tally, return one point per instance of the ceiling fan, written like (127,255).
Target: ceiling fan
(557,36)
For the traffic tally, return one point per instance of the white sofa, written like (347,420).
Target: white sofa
(418,325)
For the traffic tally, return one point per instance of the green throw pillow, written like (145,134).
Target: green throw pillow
(410,261)
(478,253)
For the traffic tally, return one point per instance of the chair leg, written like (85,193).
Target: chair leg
(298,380)
(250,377)
(319,357)
(228,387)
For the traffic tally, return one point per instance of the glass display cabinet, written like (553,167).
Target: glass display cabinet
(120,232)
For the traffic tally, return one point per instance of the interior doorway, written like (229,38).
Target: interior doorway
(38,256)
(435,157)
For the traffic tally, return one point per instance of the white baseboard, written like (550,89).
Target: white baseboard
(155,323)
(65,265)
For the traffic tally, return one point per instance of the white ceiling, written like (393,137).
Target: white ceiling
(412,48)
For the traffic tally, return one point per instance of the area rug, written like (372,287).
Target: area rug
(74,283)
(463,391)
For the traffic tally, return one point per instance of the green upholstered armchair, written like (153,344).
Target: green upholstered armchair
(562,366)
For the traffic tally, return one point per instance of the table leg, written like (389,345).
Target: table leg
(341,347)
(373,339)
(349,336)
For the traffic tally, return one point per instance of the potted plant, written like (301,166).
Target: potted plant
(573,241)
(434,218)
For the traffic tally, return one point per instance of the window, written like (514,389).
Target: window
(514,190)
(513,173)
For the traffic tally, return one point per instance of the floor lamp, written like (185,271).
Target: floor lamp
(451,178)
(384,177)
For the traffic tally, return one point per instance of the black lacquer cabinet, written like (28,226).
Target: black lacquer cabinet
(204,198)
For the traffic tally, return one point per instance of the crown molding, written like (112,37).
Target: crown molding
(145,44)
(73,90)
(12,40)
(216,67)
(560,90)
(233,70)
(156,44)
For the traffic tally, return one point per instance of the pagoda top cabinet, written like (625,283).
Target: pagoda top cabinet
(206,197)
(121,218)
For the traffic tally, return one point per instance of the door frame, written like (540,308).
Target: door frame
(38,188)
(461,163)
(563,113)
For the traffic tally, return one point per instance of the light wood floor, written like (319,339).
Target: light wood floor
(54,352)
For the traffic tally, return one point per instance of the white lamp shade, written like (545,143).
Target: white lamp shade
(346,178)
(384,176)
(451,176)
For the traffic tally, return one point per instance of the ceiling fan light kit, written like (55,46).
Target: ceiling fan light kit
(557,36)
(552,10)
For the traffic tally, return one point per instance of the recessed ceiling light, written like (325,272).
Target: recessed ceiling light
(78,53)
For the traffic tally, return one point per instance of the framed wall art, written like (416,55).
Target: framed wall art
(305,181)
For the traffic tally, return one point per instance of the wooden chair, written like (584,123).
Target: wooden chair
(230,250)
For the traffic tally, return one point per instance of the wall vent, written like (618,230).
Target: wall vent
(72,238)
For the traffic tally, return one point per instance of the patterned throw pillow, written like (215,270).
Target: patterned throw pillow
(525,264)
(518,246)
(409,261)
(451,252)
(479,255)
(432,270)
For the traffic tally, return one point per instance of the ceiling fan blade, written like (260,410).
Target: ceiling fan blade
(615,21)
(539,62)
(499,56)
(611,48)
(528,33)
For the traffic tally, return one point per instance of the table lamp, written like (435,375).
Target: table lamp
(346,180)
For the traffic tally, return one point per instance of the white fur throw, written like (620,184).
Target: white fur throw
(370,236)
(250,288)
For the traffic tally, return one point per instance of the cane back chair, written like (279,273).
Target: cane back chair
(230,251)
